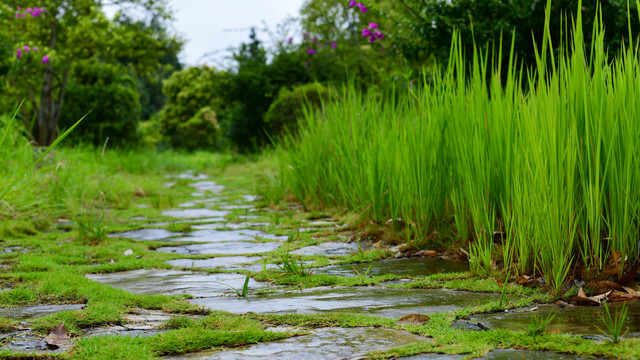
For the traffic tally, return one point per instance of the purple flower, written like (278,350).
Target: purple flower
(366,32)
(290,41)
(19,53)
(378,35)
(362,7)
(334,45)
(352,3)
(45,59)
(36,12)
(373,26)
(372,39)
(311,51)
(26,48)
(35,48)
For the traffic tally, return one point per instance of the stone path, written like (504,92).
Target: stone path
(227,250)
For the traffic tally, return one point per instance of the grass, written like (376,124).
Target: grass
(552,167)
(613,324)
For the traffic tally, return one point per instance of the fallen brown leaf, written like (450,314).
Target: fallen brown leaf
(58,337)
(413,319)
(583,299)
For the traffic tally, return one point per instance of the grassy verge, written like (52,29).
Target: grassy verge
(527,181)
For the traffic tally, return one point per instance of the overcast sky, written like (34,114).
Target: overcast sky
(206,24)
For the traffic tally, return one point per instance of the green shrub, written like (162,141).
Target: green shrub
(290,104)
(149,133)
(199,132)
(112,97)
(188,119)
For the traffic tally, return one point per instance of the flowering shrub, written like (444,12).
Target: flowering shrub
(21,14)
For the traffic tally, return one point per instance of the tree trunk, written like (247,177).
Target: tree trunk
(46,118)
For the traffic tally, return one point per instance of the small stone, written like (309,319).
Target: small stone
(128,252)
(413,319)
(138,257)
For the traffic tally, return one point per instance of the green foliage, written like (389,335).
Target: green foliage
(111,95)
(423,29)
(199,132)
(189,118)
(353,58)
(613,324)
(538,324)
(548,167)
(149,133)
(291,104)
(69,32)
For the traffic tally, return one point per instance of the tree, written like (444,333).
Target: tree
(424,28)
(68,31)
(189,118)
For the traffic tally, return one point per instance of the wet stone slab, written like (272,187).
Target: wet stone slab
(220,248)
(207,186)
(228,235)
(28,342)
(241,225)
(576,320)
(328,343)
(147,234)
(174,282)
(234,207)
(218,262)
(414,267)
(189,175)
(501,354)
(30,312)
(195,213)
(386,302)
(328,249)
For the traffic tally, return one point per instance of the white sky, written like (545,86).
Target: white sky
(205,24)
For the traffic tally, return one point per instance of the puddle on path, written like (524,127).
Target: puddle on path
(328,343)
(576,320)
(403,267)
(29,312)
(222,248)
(329,248)
(175,282)
(147,234)
(386,302)
(195,213)
(214,262)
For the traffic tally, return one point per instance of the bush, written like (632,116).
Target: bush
(199,132)
(290,104)
(112,97)
(149,134)
(189,118)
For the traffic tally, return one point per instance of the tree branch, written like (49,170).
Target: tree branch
(63,87)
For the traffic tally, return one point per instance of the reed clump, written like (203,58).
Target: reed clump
(553,169)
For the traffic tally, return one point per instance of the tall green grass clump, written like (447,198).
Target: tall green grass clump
(552,169)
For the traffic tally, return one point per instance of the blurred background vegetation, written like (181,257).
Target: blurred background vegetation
(126,70)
